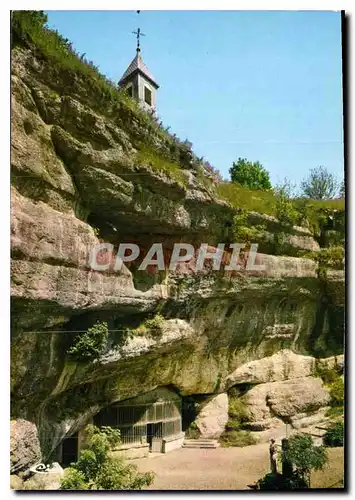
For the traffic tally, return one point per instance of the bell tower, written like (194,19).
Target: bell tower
(137,80)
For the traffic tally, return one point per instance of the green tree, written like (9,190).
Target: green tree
(91,344)
(342,189)
(97,470)
(305,456)
(250,174)
(320,184)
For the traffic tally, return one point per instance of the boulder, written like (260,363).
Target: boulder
(213,416)
(286,399)
(25,449)
(283,365)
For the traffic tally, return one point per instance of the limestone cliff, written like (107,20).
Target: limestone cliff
(86,170)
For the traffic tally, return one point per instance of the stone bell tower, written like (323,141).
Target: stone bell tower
(138,82)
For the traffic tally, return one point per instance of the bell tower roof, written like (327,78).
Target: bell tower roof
(137,66)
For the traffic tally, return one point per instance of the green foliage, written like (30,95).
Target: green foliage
(238,438)
(96,469)
(250,174)
(275,482)
(328,375)
(90,345)
(237,410)
(334,411)
(320,184)
(337,392)
(305,456)
(192,432)
(334,435)
(286,211)
(155,323)
(152,326)
(243,232)
(332,257)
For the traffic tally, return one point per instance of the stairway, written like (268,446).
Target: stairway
(200,443)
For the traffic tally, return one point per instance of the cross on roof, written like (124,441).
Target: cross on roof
(138,33)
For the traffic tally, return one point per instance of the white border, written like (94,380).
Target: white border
(5,180)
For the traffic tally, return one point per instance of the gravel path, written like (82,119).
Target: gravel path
(225,468)
(207,469)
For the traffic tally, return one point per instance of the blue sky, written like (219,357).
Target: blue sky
(262,85)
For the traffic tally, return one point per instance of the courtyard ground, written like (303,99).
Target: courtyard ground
(226,468)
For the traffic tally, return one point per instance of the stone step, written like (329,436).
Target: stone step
(200,440)
(200,446)
(200,443)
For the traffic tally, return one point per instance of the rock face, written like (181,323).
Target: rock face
(282,365)
(286,399)
(213,417)
(25,446)
(80,177)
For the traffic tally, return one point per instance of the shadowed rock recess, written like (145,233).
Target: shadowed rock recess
(80,176)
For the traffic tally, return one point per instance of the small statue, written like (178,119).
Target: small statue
(273,456)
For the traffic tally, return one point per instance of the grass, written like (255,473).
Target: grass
(335,411)
(59,50)
(241,197)
(146,156)
(333,474)
(265,202)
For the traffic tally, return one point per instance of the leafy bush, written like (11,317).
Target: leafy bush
(334,435)
(239,438)
(305,456)
(250,174)
(337,392)
(155,323)
(153,326)
(90,345)
(97,470)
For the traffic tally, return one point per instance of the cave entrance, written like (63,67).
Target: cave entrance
(155,437)
(69,450)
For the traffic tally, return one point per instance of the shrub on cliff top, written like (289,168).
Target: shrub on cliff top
(250,174)
(90,345)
